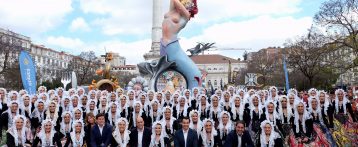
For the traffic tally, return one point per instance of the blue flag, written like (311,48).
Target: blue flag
(28,72)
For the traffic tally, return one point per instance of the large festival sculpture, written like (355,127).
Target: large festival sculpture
(174,70)
(108,82)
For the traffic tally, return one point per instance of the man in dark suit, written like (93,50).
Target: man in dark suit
(140,136)
(101,132)
(239,137)
(185,137)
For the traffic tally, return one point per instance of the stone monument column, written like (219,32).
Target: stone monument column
(157,19)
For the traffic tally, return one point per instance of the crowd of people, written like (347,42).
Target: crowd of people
(188,118)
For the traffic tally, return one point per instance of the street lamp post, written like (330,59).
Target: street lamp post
(229,71)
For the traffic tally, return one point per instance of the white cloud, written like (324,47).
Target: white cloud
(257,33)
(134,17)
(79,24)
(214,10)
(120,17)
(66,42)
(133,51)
(33,16)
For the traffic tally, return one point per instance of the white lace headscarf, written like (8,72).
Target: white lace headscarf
(117,115)
(125,107)
(312,90)
(270,94)
(219,95)
(110,95)
(345,101)
(172,119)
(140,111)
(75,96)
(207,106)
(318,109)
(36,113)
(13,130)
(223,102)
(103,100)
(228,125)
(151,115)
(212,109)
(74,112)
(79,89)
(162,135)
(92,92)
(326,103)
(275,115)
(252,106)
(146,104)
(122,142)
(44,95)
(22,105)
(234,109)
(63,125)
(42,134)
(304,118)
(199,123)
(129,101)
(10,118)
(69,105)
(3,100)
(288,108)
(76,142)
(119,90)
(11,93)
(185,109)
(204,135)
(273,135)
(48,116)
(95,110)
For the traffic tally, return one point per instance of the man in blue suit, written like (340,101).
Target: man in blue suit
(239,137)
(101,132)
(185,137)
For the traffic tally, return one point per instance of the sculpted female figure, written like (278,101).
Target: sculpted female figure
(175,20)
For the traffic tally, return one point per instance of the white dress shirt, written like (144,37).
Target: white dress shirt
(140,137)
(185,133)
(100,129)
(239,141)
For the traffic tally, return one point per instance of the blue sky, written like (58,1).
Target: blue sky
(124,26)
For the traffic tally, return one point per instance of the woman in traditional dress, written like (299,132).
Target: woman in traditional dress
(269,137)
(225,126)
(302,126)
(159,137)
(182,110)
(204,107)
(238,112)
(113,114)
(209,136)
(215,109)
(18,135)
(154,113)
(120,135)
(286,115)
(47,137)
(77,136)
(25,106)
(195,122)
(255,114)
(225,103)
(92,107)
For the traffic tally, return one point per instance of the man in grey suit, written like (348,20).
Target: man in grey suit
(185,137)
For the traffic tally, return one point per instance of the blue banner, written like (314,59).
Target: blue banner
(28,72)
(286,73)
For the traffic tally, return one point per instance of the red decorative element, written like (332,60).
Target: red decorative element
(195,10)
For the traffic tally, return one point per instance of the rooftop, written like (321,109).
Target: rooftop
(213,59)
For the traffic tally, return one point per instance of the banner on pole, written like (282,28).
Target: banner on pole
(28,72)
